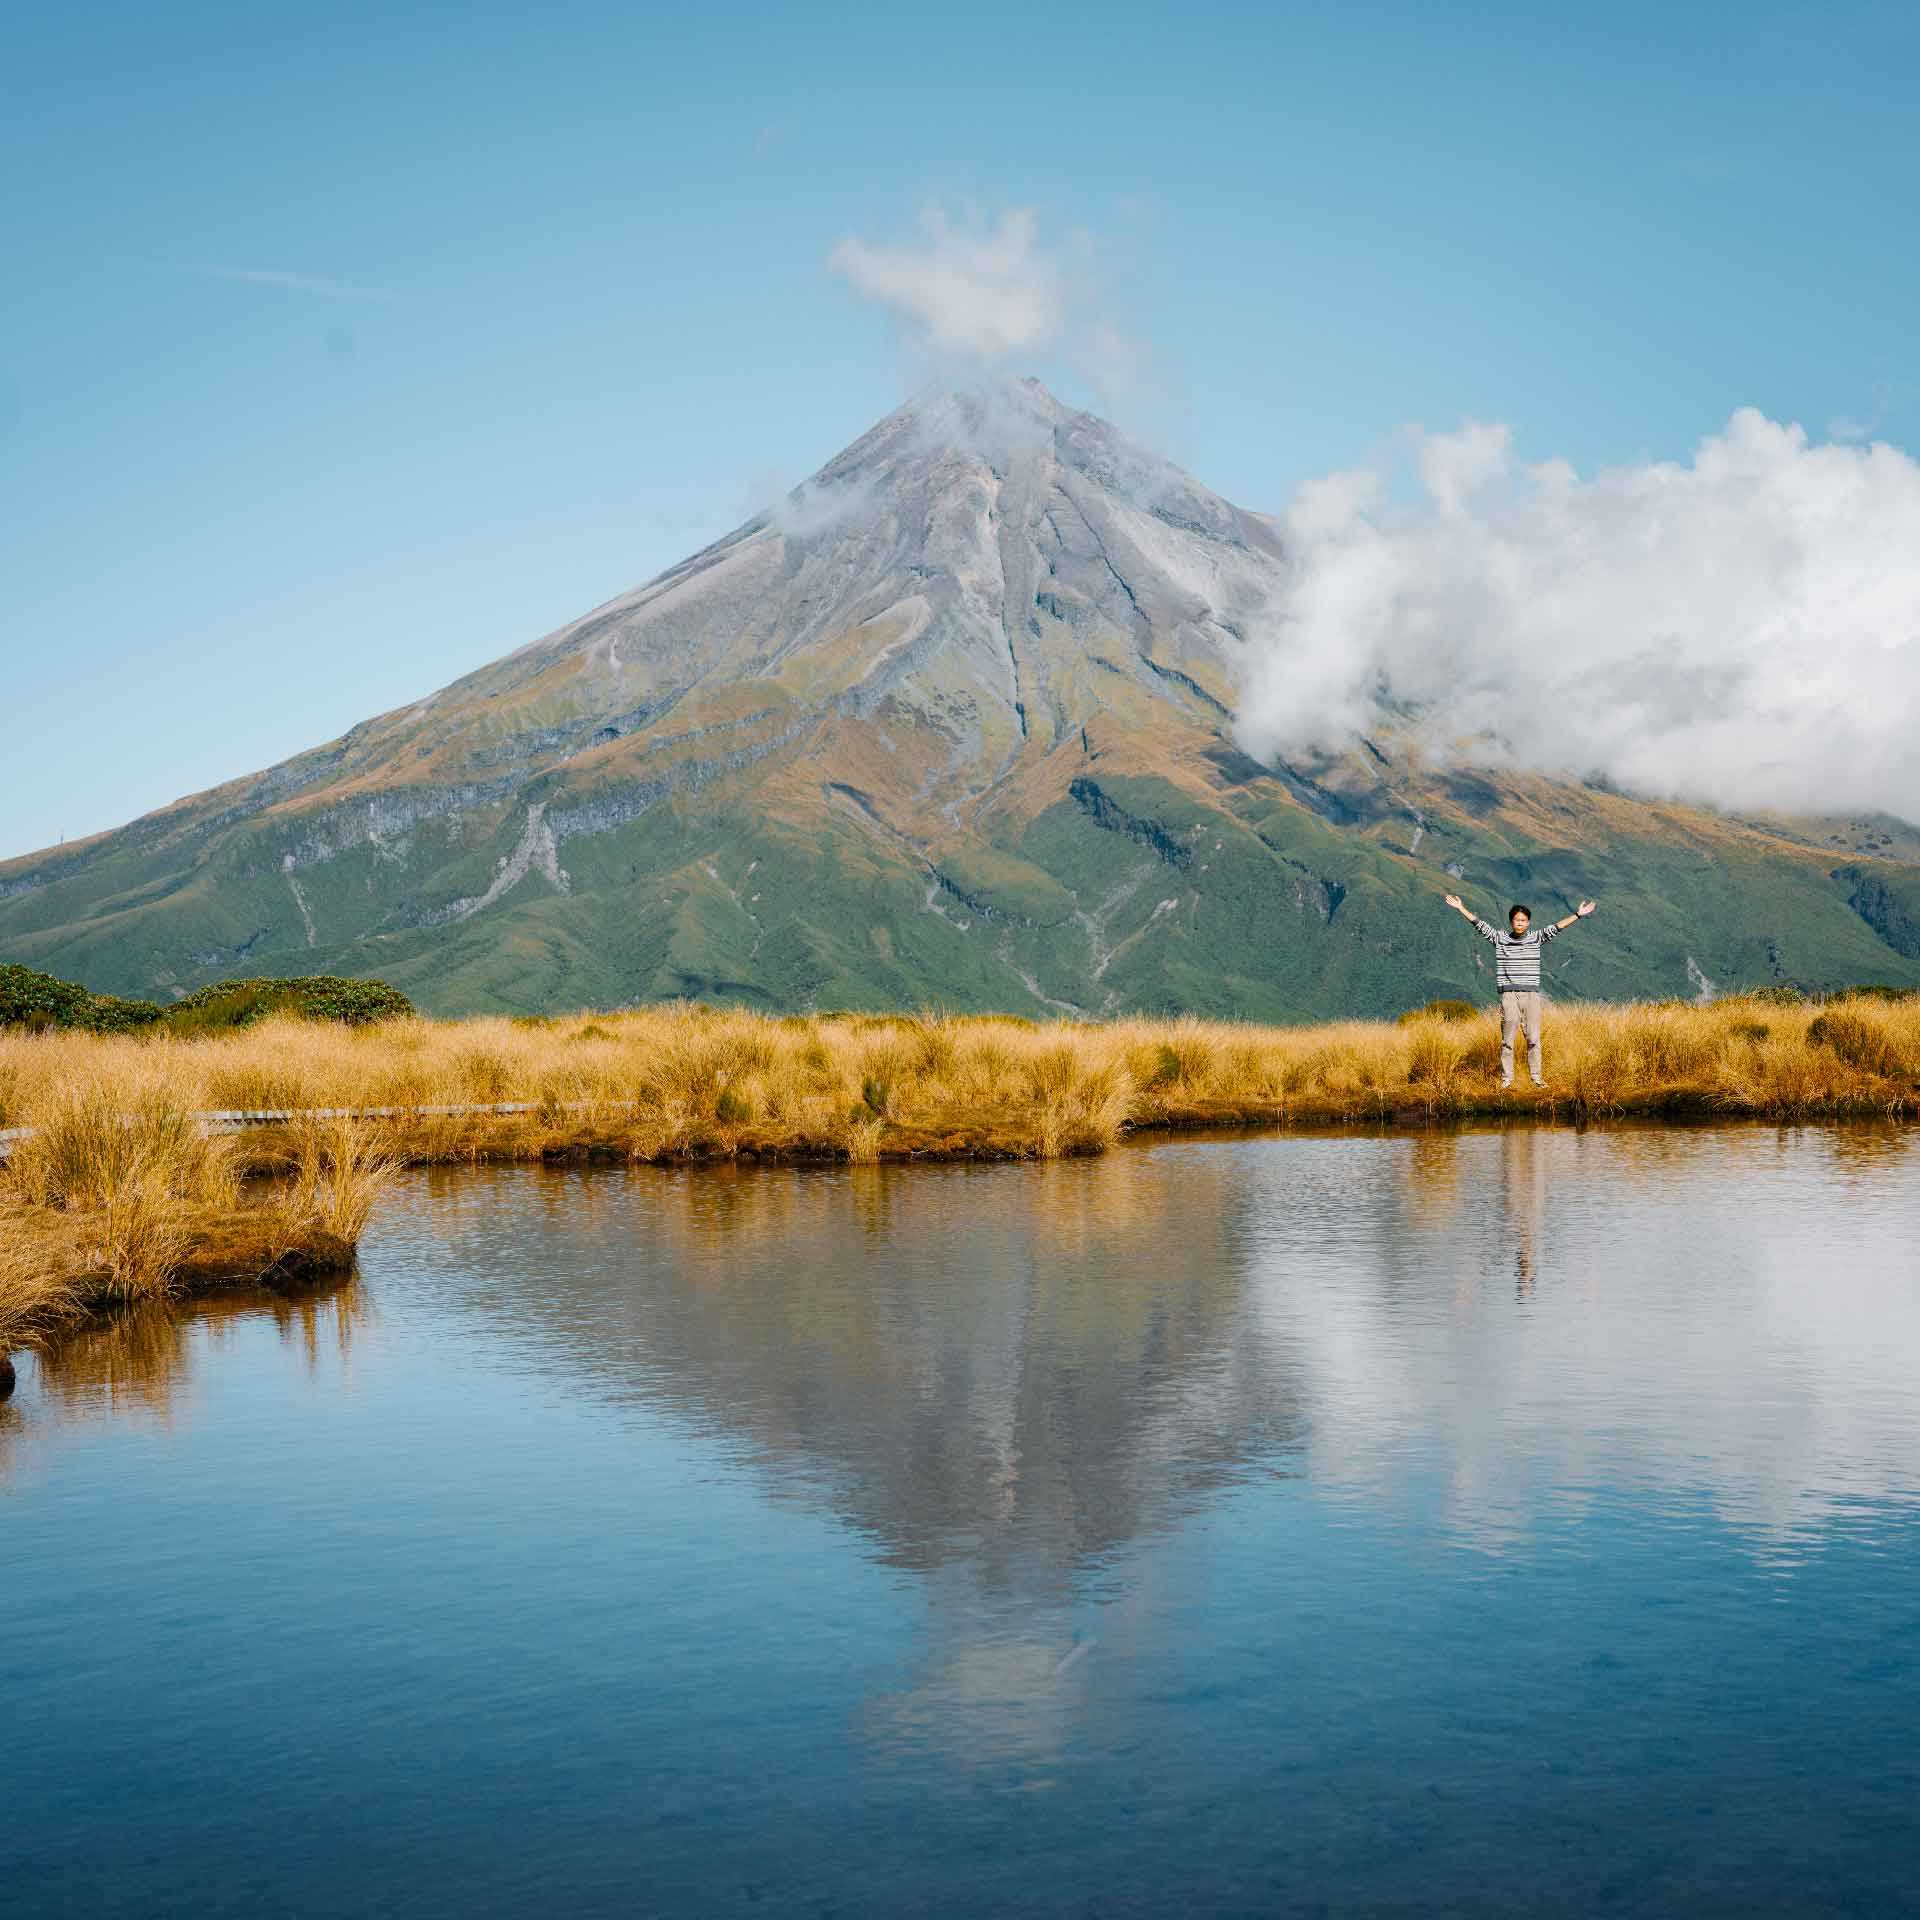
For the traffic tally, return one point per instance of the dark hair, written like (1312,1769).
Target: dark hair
(1517,907)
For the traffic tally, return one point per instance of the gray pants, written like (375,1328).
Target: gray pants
(1519,1010)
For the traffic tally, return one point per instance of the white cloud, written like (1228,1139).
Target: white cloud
(1743,628)
(811,507)
(977,296)
(989,290)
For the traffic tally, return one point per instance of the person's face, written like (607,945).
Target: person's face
(1519,922)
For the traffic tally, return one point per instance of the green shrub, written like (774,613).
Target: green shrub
(114,1015)
(228,1004)
(40,1002)
(220,1009)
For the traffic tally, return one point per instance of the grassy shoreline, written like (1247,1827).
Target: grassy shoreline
(119,1198)
(120,1194)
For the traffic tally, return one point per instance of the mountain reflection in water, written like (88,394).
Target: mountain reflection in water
(1032,1365)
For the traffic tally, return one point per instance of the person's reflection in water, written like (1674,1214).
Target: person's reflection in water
(1524,1189)
(1432,1198)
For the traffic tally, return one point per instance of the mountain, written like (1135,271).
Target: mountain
(952,723)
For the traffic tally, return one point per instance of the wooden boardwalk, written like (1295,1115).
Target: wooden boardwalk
(235,1119)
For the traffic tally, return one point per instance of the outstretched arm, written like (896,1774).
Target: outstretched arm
(1579,913)
(1467,914)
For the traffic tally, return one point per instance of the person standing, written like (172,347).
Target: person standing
(1516,976)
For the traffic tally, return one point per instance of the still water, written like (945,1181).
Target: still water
(1522,1521)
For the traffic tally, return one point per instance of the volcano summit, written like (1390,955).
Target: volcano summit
(952,723)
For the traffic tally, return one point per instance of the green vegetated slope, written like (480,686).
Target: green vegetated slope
(1127,893)
(965,739)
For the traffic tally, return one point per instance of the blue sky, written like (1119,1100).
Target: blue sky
(342,351)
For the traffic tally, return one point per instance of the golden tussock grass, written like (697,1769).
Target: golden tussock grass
(119,1193)
(120,1196)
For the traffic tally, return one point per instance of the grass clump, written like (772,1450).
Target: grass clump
(1867,1040)
(120,1196)
(339,1166)
(127,1174)
(1441,1010)
(39,1290)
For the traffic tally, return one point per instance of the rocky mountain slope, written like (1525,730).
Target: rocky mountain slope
(952,724)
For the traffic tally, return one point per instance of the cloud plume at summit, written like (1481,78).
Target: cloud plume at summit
(977,297)
(986,289)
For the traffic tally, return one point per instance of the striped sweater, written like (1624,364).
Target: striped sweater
(1516,957)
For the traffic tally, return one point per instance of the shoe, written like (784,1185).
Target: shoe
(1506,1086)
